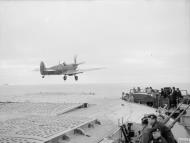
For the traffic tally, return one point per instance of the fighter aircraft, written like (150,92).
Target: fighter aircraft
(64,69)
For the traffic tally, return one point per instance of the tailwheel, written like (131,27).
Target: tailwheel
(43,76)
(65,77)
(76,78)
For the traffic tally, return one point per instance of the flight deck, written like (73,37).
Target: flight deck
(40,129)
(27,122)
(45,122)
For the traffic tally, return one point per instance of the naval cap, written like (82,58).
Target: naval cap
(152,116)
(155,130)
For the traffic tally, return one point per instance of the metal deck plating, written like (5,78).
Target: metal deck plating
(42,122)
(17,140)
(40,128)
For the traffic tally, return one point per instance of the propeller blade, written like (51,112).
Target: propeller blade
(75,59)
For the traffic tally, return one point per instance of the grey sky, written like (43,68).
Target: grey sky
(137,40)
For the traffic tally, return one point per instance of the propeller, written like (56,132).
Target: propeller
(75,59)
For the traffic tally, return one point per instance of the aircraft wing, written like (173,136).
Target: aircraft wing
(72,72)
(91,69)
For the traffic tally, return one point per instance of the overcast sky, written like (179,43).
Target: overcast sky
(143,41)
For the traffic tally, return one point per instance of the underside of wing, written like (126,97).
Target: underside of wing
(72,72)
(91,69)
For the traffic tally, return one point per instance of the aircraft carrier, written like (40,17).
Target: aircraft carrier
(98,121)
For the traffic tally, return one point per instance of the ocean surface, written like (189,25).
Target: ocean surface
(54,92)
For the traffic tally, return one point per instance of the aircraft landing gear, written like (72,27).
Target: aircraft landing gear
(65,77)
(43,76)
(76,78)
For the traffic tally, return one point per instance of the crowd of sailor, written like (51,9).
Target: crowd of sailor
(170,96)
(173,97)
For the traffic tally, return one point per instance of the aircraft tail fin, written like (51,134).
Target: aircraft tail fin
(42,68)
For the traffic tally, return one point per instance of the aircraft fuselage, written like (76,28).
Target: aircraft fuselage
(63,68)
(57,70)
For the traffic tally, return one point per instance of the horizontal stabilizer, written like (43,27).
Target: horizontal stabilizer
(36,69)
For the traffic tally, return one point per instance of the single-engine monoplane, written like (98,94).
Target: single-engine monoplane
(64,69)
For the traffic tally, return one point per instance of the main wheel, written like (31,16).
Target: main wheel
(43,76)
(76,78)
(65,77)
